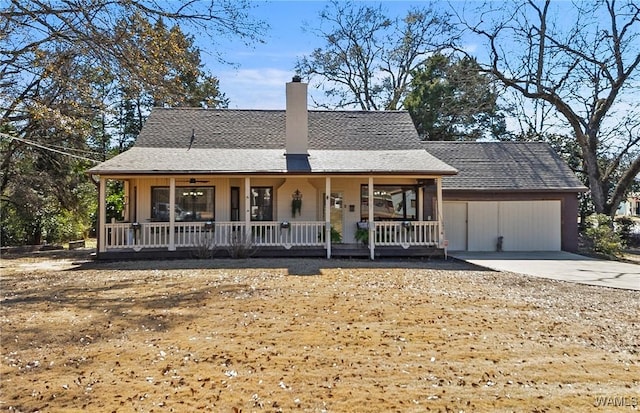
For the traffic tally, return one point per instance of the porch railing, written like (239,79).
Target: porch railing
(223,234)
(287,235)
(406,233)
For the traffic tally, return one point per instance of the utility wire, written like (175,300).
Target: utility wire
(76,150)
(48,148)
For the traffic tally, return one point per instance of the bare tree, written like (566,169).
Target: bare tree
(368,57)
(61,63)
(582,60)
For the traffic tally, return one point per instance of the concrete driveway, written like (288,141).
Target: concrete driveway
(559,266)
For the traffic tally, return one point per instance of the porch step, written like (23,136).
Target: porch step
(349,250)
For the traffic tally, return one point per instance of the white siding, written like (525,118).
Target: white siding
(455,225)
(482,227)
(282,210)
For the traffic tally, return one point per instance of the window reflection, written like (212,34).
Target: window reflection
(390,202)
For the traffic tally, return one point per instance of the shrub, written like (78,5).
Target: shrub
(624,227)
(362,235)
(600,232)
(241,245)
(204,247)
(335,235)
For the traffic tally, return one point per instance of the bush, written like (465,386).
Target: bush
(241,245)
(204,246)
(624,227)
(602,236)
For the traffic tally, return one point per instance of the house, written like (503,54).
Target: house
(630,206)
(306,182)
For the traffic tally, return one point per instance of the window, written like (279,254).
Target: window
(391,202)
(193,203)
(262,203)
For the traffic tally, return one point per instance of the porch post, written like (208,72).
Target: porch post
(102,215)
(127,201)
(247,208)
(440,215)
(372,230)
(421,203)
(327,215)
(172,214)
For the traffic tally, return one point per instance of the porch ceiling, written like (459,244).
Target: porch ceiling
(139,160)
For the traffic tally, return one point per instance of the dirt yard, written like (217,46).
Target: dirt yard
(309,335)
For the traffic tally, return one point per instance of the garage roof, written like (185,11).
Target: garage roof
(504,166)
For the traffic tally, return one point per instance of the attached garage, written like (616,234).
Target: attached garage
(523,225)
(520,191)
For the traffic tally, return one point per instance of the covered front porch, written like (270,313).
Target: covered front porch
(278,216)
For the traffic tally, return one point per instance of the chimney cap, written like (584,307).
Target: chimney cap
(296,79)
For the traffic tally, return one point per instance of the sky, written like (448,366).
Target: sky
(257,78)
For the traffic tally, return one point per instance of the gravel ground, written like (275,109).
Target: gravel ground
(309,335)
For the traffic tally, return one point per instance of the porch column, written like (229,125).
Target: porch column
(440,215)
(247,208)
(172,214)
(421,203)
(327,215)
(372,230)
(126,213)
(102,215)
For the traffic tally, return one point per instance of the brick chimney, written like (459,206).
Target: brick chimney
(297,117)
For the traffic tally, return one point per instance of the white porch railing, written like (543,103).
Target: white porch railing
(268,234)
(196,234)
(406,233)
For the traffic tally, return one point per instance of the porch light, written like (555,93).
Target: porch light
(296,203)
(285,225)
(208,225)
(406,224)
(135,225)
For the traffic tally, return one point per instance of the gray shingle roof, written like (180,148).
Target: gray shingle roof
(139,160)
(245,141)
(265,129)
(500,166)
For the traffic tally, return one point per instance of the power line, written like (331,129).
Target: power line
(76,150)
(28,142)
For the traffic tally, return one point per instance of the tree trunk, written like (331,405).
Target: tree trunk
(588,145)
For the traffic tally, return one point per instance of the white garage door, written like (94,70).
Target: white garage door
(483,226)
(530,225)
(524,225)
(455,225)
